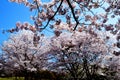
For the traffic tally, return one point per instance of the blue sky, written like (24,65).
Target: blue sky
(10,13)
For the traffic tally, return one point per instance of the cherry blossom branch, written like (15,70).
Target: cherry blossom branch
(75,18)
(53,15)
(37,6)
(49,19)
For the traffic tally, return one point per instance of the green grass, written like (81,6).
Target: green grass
(11,78)
(6,79)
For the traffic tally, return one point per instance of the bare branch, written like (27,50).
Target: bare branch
(72,10)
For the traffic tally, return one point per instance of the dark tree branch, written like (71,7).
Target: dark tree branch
(37,6)
(49,19)
(72,10)
(53,15)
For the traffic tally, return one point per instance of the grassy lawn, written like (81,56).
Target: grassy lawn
(11,78)
(5,78)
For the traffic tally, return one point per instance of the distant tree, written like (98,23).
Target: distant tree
(21,54)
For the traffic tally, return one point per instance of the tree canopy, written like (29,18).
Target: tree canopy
(72,14)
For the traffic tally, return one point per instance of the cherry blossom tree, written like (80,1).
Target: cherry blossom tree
(21,54)
(86,42)
(71,14)
(83,55)
(1,66)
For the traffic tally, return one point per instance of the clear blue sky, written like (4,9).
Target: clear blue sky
(10,13)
